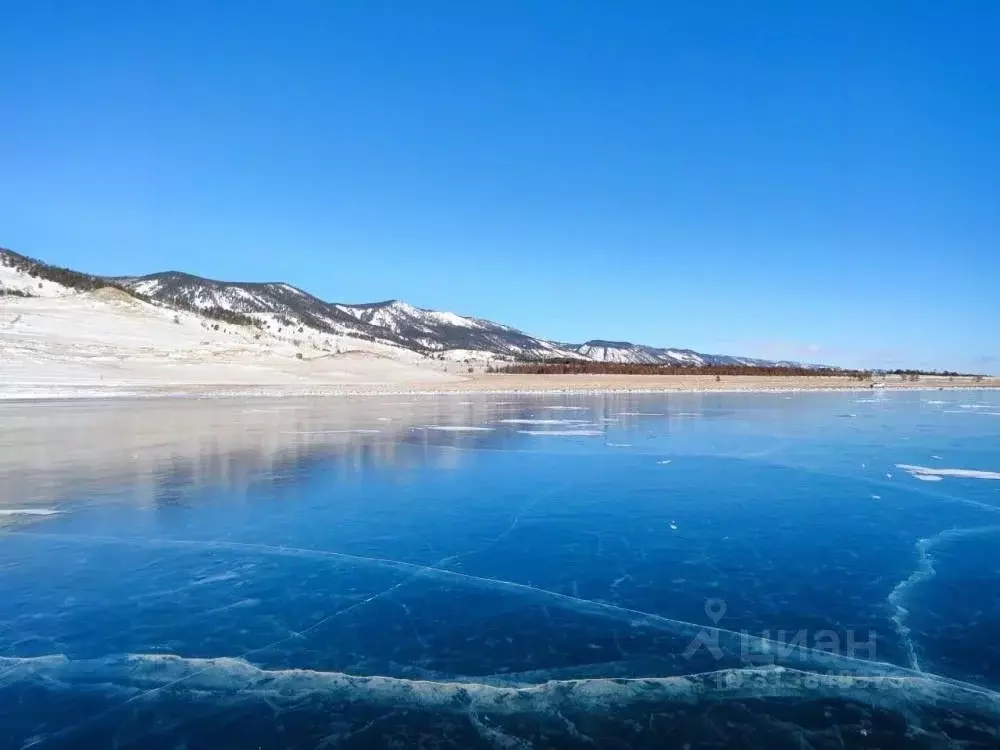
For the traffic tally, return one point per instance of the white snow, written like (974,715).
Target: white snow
(146,286)
(924,472)
(687,357)
(476,355)
(562,433)
(330,432)
(12,278)
(394,314)
(454,428)
(543,421)
(57,344)
(450,318)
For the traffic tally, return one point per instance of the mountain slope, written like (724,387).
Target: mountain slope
(289,313)
(277,306)
(440,331)
(624,352)
(274,306)
(69,334)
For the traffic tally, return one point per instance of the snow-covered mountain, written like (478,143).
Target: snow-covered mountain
(274,306)
(625,352)
(448,332)
(284,311)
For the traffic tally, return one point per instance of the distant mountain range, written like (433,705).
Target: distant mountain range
(279,307)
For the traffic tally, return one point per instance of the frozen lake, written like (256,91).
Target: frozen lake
(704,570)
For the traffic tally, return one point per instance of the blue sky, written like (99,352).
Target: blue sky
(810,180)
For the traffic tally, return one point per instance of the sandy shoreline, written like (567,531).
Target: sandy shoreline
(493,384)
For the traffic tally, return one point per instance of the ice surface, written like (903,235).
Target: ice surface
(190,691)
(236,577)
(900,595)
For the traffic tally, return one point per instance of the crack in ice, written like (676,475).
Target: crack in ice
(924,572)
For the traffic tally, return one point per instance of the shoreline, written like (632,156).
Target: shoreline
(497,385)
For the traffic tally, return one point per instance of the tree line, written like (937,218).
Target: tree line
(583,367)
(73,279)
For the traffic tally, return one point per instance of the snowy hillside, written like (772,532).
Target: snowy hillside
(58,338)
(446,331)
(277,307)
(624,352)
(276,311)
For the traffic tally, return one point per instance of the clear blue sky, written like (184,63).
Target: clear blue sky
(807,179)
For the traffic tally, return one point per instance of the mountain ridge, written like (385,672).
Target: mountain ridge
(277,306)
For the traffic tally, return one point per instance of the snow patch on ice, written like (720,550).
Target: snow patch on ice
(543,421)
(563,433)
(454,428)
(330,432)
(924,472)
